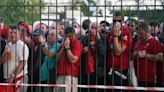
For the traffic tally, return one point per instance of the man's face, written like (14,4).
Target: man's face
(142,35)
(23,31)
(131,26)
(117,19)
(76,28)
(69,35)
(51,36)
(153,30)
(102,26)
(44,28)
(36,38)
(62,26)
(14,35)
(53,26)
(94,27)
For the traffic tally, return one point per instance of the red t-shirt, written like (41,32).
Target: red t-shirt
(65,66)
(4,32)
(120,62)
(145,68)
(160,71)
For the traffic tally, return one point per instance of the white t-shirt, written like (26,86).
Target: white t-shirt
(19,52)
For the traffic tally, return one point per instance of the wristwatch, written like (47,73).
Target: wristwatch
(67,49)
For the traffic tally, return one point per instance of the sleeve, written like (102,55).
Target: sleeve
(3,44)
(158,47)
(60,47)
(77,49)
(127,40)
(23,52)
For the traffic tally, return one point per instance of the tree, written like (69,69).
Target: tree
(148,15)
(14,11)
(86,8)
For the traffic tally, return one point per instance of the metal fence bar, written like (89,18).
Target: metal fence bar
(138,11)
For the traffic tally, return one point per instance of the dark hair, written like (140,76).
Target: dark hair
(20,23)
(69,30)
(44,24)
(12,26)
(86,24)
(142,25)
(105,22)
(118,13)
(154,24)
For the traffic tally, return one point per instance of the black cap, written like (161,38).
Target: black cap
(37,32)
(69,30)
(12,26)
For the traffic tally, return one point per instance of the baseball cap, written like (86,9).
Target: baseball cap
(37,32)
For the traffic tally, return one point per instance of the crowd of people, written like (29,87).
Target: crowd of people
(89,54)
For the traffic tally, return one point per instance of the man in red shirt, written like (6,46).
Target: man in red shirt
(3,30)
(120,41)
(147,52)
(68,59)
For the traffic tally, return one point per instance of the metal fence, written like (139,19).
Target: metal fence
(65,63)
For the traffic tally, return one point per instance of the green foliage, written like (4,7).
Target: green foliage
(85,8)
(149,15)
(14,11)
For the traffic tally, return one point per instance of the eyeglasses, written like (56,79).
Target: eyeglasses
(116,20)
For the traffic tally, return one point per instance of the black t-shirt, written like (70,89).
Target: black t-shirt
(36,63)
(3,43)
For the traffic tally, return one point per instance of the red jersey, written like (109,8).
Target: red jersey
(65,67)
(160,73)
(4,32)
(145,69)
(120,62)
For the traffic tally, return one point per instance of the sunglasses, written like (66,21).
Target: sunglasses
(116,20)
